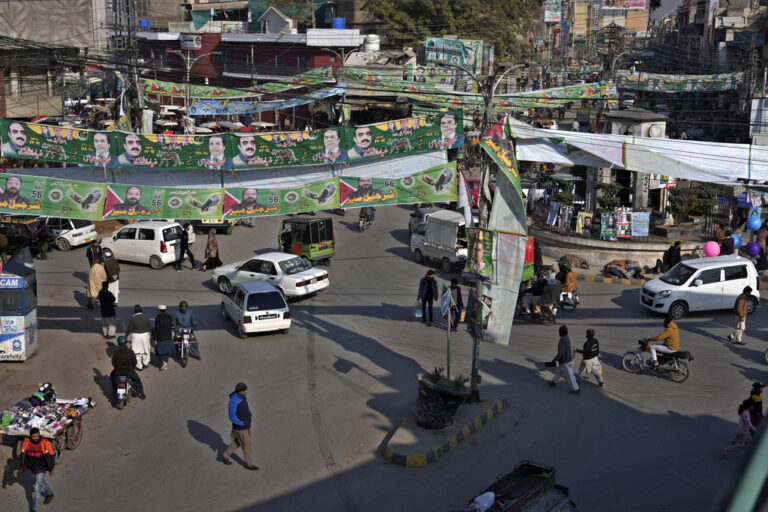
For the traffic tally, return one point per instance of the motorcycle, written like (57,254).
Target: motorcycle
(338,211)
(124,391)
(183,342)
(675,365)
(570,303)
(364,222)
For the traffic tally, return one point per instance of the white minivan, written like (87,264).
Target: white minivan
(71,232)
(702,284)
(256,306)
(149,242)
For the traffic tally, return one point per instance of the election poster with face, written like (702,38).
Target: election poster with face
(171,151)
(253,202)
(134,202)
(480,258)
(367,191)
(193,203)
(51,196)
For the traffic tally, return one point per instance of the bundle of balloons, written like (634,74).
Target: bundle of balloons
(712,248)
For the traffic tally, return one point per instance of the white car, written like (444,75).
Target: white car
(289,273)
(146,241)
(702,284)
(256,306)
(71,232)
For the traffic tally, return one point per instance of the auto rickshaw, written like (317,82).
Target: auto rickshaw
(312,239)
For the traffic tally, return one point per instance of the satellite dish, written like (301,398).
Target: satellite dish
(655,131)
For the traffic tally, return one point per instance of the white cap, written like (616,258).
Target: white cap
(161,307)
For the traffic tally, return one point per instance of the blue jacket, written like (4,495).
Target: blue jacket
(239,414)
(424,285)
(187,319)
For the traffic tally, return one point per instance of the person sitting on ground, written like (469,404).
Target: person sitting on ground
(672,255)
(726,248)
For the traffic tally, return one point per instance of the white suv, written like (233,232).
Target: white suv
(70,232)
(702,284)
(146,241)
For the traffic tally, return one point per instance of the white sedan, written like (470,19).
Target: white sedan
(287,272)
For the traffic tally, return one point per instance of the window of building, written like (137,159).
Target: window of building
(302,61)
(280,61)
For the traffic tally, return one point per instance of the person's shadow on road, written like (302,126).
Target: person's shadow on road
(205,435)
(104,382)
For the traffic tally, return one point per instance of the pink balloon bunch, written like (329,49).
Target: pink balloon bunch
(711,249)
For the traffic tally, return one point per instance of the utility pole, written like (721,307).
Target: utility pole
(188,63)
(344,119)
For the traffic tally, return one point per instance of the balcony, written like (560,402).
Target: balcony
(224,27)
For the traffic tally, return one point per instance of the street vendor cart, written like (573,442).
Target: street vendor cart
(59,420)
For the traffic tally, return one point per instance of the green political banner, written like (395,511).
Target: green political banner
(669,83)
(170,151)
(56,143)
(367,191)
(480,258)
(51,196)
(193,203)
(311,77)
(434,185)
(431,75)
(134,202)
(254,201)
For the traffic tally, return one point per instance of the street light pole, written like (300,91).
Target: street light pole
(188,65)
(342,58)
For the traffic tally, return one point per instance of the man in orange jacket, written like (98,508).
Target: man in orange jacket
(37,454)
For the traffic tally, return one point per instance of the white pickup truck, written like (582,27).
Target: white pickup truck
(441,237)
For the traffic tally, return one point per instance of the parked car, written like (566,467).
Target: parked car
(222,225)
(182,223)
(149,242)
(289,273)
(256,306)
(702,284)
(70,232)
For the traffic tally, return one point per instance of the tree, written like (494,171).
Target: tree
(409,22)
(609,197)
(693,200)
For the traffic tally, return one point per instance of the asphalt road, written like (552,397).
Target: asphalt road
(326,396)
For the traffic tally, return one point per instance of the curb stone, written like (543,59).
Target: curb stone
(418,460)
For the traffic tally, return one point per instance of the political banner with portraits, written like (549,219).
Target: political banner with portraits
(584,223)
(479,263)
(228,107)
(254,201)
(226,151)
(56,143)
(366,191)
(51,196)
(134,202)
(608,230)
(434,185)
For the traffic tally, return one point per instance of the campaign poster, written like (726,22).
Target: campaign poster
(480,257)
(584,223)
(367,191)
(640,223)
(317,195)
(623,223)
(250,202)
(566,213)
(174,151)
(22,194)
(56,144)
(608,226)
(73,199)
(275,149)
(529,260)
(193,203)
(554,209)
(134,202)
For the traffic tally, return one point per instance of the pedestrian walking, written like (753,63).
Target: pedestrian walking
(211,252)
(564,360)
(96,276)
(94,253)
(240,416)
(427,295)
(107,304)
(744,435)
(163,336)
(589,360)
(139,332)
(457,304)
(756,395)
(740,310)
(37,455)
(185,250)
(113,273)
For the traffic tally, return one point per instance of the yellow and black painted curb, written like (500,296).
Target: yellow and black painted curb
(419,460)
(591,278)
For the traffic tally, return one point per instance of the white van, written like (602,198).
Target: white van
(702,284)
(146,241)
(256,306)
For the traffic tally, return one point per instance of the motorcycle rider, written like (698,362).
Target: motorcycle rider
(549,294)
(185,318)
(532,293)
(368,213)
(124,364)
(671,337)
(568,278)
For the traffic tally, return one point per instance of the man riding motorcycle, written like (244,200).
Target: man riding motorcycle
(550,294)
(568,278)
(124,365)
(185,319)
(368,212)
(671,337)
(531,294)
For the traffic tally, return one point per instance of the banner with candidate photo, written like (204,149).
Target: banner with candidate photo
(584,223)
(229,107)
(51,196)
(480,259)
(193,203)
(56,144)
(367,191)
(172,151)
(254,201)
(134,202)
(277,149)
(434,185)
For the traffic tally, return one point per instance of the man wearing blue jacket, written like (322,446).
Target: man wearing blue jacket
(240,416)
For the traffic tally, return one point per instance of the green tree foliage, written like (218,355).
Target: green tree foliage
(693,200)
(409,22)
(609,196)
